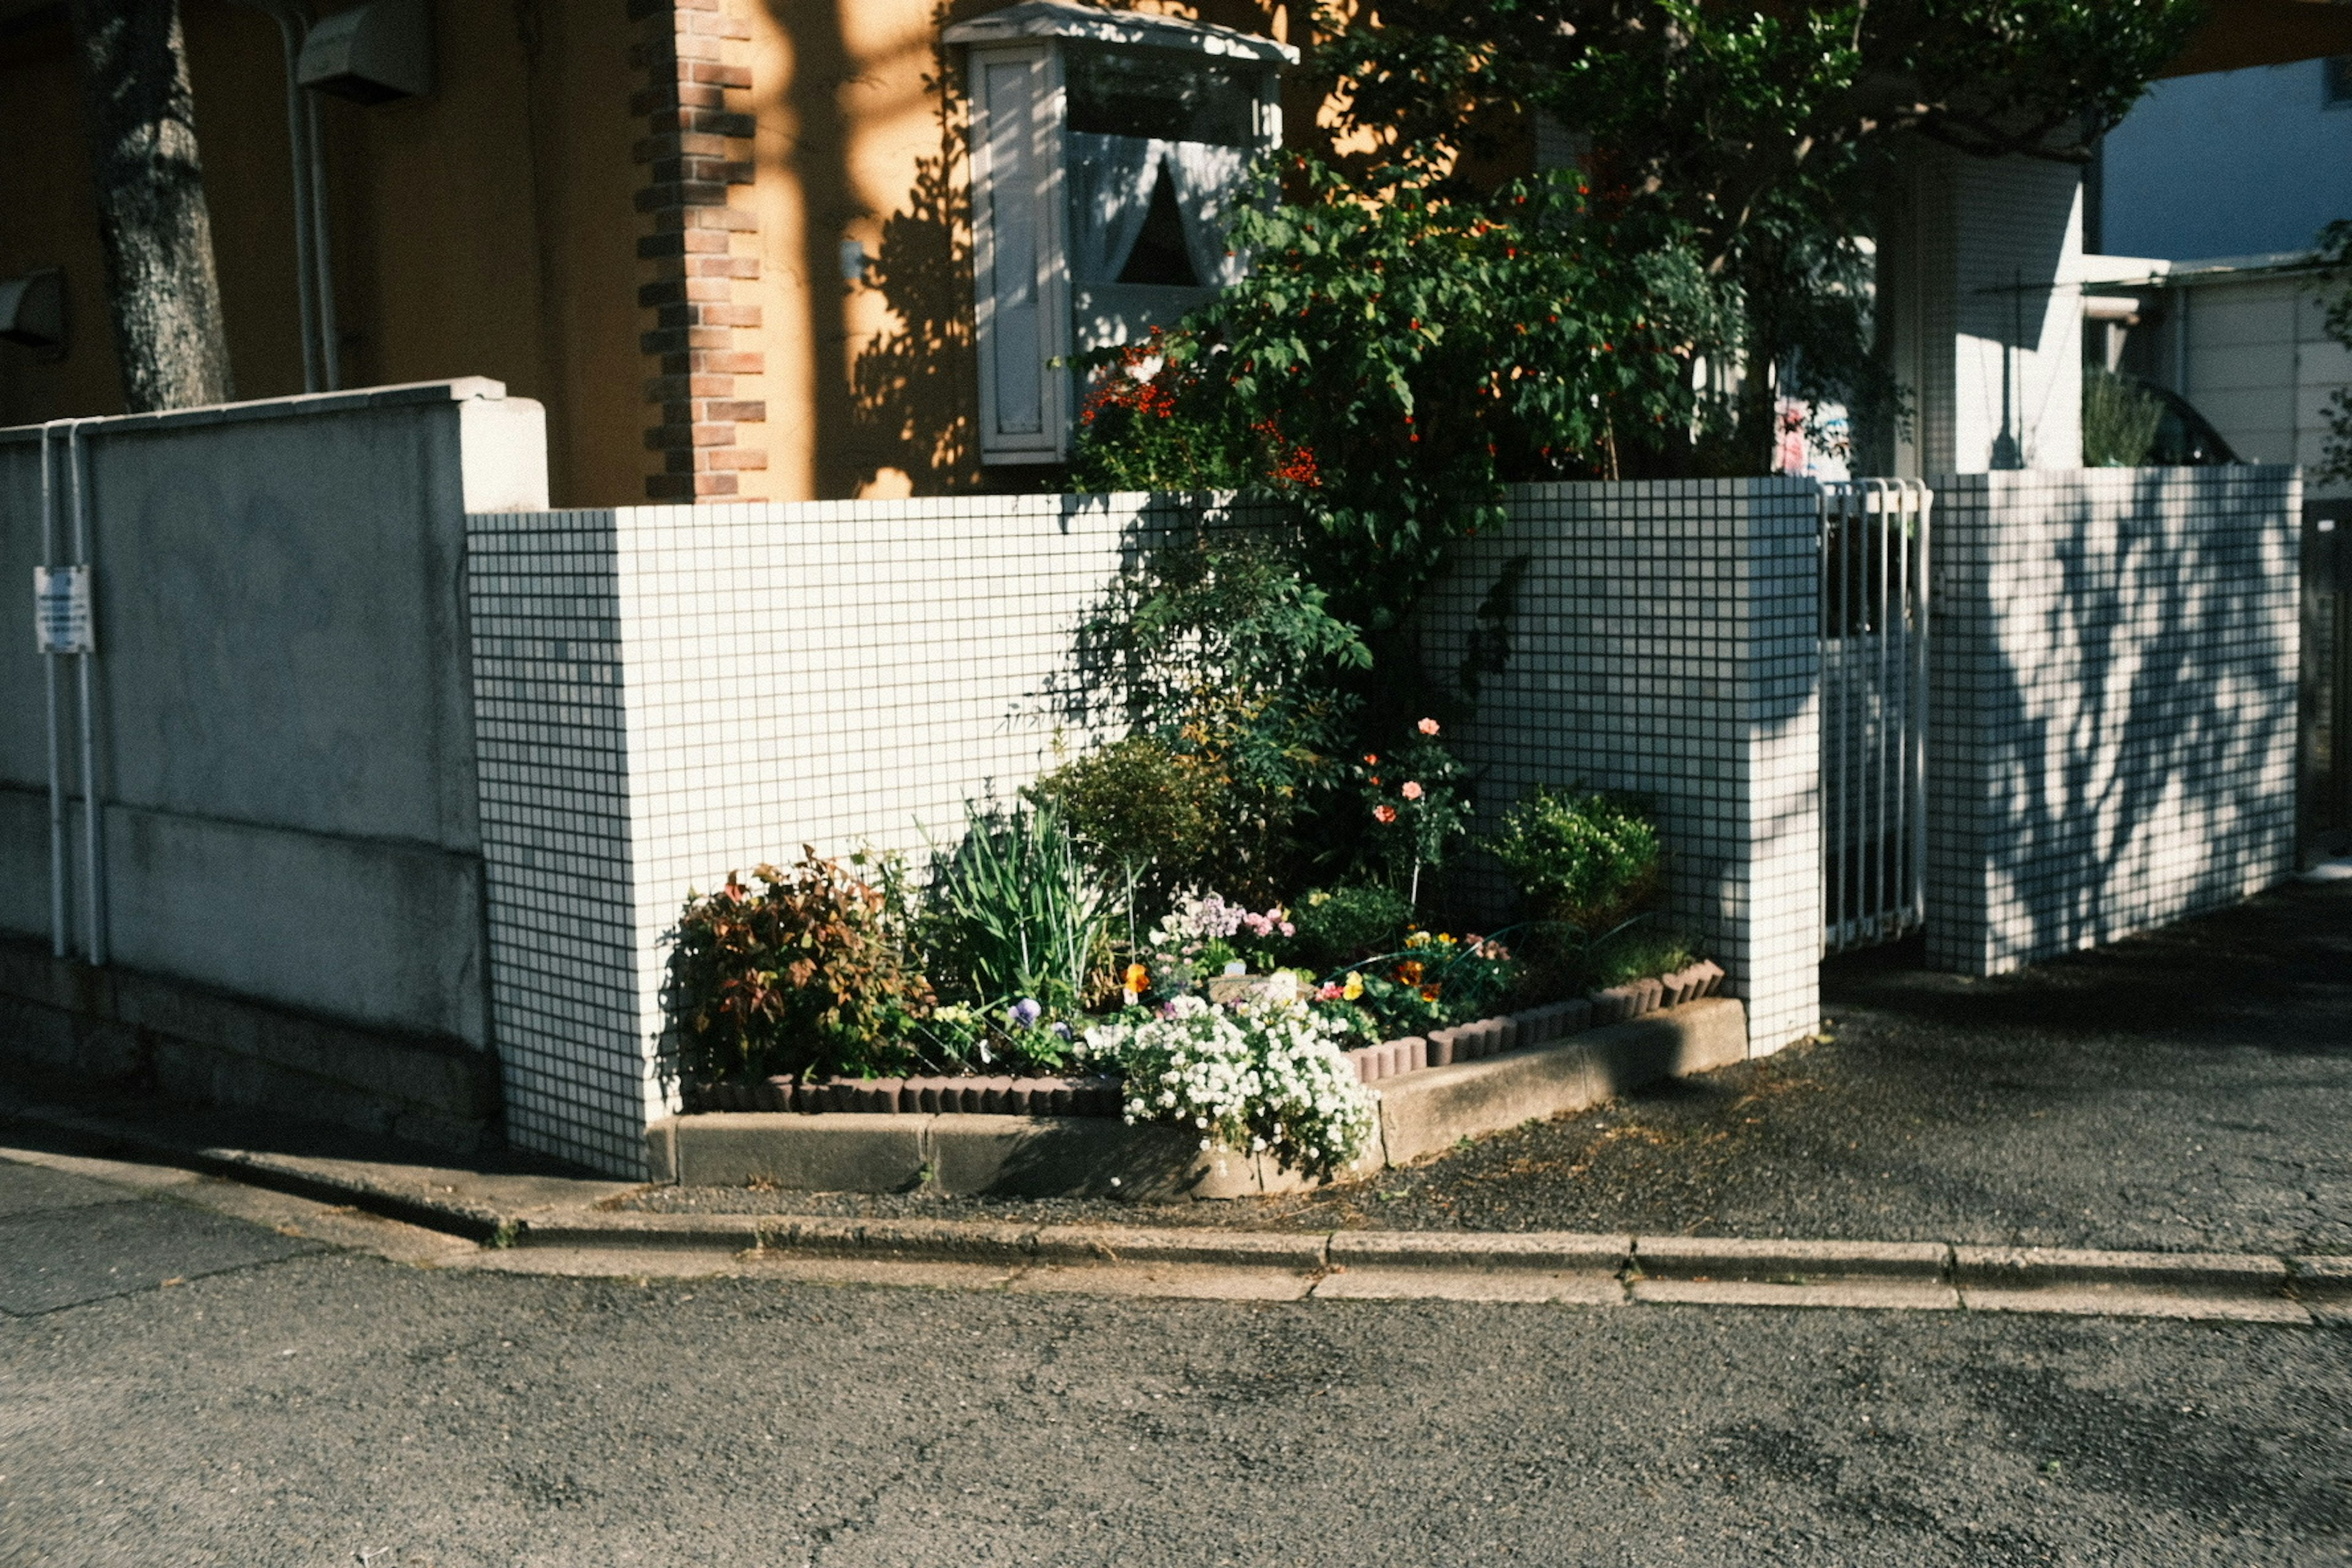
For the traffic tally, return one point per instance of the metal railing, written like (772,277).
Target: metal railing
(1874,628)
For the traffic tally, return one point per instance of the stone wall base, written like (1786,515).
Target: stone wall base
(116,1030)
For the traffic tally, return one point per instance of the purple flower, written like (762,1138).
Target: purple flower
(1025,1013)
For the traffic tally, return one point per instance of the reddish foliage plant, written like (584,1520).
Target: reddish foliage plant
(809,975)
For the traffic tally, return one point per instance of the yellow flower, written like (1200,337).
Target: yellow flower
(1417,939)
(1138,979)
(1354,988)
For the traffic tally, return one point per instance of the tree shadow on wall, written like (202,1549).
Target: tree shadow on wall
(914,390)
(2125,726)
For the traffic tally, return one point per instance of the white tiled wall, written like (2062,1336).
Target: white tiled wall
(2112,707)
(666,694)
(1665,645)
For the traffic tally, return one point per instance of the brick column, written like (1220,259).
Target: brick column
(695,147)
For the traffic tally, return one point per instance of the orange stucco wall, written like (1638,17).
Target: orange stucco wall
(870,385)
(489,229)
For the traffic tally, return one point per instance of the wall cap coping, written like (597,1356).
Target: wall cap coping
(455,389)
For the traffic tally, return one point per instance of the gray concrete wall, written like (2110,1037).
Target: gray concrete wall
(284,719)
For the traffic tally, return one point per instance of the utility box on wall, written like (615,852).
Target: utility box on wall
(1108,149)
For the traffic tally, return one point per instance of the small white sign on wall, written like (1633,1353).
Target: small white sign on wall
(61,621)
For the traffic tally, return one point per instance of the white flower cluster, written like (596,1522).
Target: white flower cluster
(1256,1078)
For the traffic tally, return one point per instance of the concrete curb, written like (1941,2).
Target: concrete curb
(552,1216)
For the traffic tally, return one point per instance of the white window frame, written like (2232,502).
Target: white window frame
(997,231)
(1030,36)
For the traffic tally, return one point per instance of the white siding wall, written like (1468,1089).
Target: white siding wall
(1977,264)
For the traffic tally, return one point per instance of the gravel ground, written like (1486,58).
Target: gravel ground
(2187,1090)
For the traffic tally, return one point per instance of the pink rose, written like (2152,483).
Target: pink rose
(1428,726)
(1411,791)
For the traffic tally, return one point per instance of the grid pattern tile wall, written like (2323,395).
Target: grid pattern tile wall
(666,694)
(2112,707)
(1663,642)
(550,735)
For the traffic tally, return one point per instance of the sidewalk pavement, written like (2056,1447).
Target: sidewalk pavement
(2185,1093)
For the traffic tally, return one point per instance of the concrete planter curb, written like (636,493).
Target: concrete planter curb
(1421,1114)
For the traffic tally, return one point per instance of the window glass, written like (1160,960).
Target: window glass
(1161,93)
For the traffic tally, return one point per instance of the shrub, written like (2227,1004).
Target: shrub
(1588,859)
(1339,925)
(1220,654)
(806,975)
(1014,913)
(1416,804)
(1145,814)
(1266,1078)
(2119,421)
(1389,364)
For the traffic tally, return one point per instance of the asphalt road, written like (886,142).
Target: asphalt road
(2185,1090)
(178,1387)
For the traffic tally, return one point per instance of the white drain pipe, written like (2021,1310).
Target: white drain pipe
(93,810)
(313,267)
(59,943)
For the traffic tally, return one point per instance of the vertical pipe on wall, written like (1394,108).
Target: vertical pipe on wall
(293,20)
(1833,656)
(330,351)
(291,32)
(60,942)
(92,811)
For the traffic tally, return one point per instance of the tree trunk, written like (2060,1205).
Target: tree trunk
(160,282)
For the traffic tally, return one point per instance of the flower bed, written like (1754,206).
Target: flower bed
(1068,955)
(1103,1094)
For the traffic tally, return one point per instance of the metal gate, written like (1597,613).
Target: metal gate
(2326,731)
(1873,710)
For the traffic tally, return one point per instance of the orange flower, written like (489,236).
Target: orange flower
(1138,979)
(1373,759)
(1429,993)
(1409,973)
(1384,812)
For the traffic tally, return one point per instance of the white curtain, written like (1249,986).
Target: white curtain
(1111,179)
(1207,179)
(1111,182)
